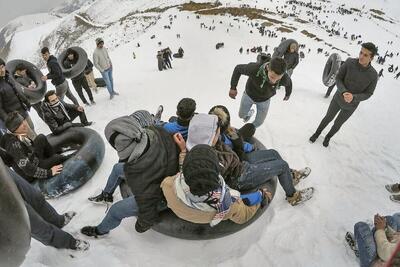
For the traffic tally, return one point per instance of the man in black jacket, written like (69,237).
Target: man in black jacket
(356,82)
(79,82)
(59,115)
(264,79)
(11,100)
(56,76)
(30,159)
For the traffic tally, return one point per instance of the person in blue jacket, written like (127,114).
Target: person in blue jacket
(185,111)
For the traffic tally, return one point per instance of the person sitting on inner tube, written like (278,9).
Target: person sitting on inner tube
(150,154)
(234,138)
(44,220)
(59,115)
(185,111)
(199,194)
(260,167)
(22,77)
(30,159)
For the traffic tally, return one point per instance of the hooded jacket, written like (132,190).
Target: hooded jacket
(55,73)
(291,59)
(258,87)
(356,79)
(10,99)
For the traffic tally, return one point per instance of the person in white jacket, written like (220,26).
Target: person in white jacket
(102,62)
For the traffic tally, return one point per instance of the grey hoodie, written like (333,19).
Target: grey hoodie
(202,130)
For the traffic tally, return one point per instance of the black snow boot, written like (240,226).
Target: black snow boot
(326,141)
(91,231)
(314,137)
(104,198)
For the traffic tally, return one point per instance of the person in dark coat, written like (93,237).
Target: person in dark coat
(167,57)
(290,55)
(56,76)
(30,159)
(11,100)
(59,116)
(356,82)
(264,79)
(45,222)
(151,157)
(79,82)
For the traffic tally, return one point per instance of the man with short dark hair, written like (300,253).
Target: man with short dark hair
(185,111)
(79,82)
(356,82)
(59,115)
(56,76)
(264,79)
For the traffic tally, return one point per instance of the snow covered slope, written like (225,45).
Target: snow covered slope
(348,176)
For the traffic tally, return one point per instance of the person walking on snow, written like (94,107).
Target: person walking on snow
(264,79)
(356,82)
(102,62)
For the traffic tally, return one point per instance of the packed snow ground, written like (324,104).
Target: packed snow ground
(349,176)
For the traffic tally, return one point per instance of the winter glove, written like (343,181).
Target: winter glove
(141,226)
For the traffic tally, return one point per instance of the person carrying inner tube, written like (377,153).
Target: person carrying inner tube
(22,78)
(45,222)
(184,110)
(79,82)
(264,79)
(290,55)
(356,82)
(56,76)
(199,194)
(260,167)
(11,100)
(30,159)
(59,116)
(150,154)
(330,88)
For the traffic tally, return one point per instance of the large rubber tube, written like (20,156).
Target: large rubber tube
(34,95)
(100,82)
(78,169)
(78,67)
(331,69)
(15,232)
(177,55)
(283,47)
(172,225)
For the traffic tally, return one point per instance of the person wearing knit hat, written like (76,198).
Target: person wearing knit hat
(102,62)
(30,159)
(260,167)
(185,110)
(199,194)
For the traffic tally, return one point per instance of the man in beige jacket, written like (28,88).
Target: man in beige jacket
(102,62)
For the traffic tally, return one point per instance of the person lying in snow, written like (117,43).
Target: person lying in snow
(185,111)
(237,139)
(59,116)
(150,155)
(374,246)
(30,159)
(260,167)
(45,222)
(199,194)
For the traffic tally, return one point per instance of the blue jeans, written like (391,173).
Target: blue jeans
(120,210)
(262,109)
(364,237)
(116,176)
(108,78)
(263,165)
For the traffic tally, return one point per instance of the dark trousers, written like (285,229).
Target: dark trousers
(80,84)
(329,91)
(247,131)
(44,219)
(167,62)
(45,152)
(341,118)
(82,116)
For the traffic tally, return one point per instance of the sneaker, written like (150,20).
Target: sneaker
(103,198)
(81,245)
(393,188)
(91,231)
(349,237)
(160,110)
(92,102)
(395,198)
(111,96)
(87,104)
(301,196)
(326,141)
(314,137)
(68,217)
(88,123)
(300,174)
(115,93)
(248,116)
